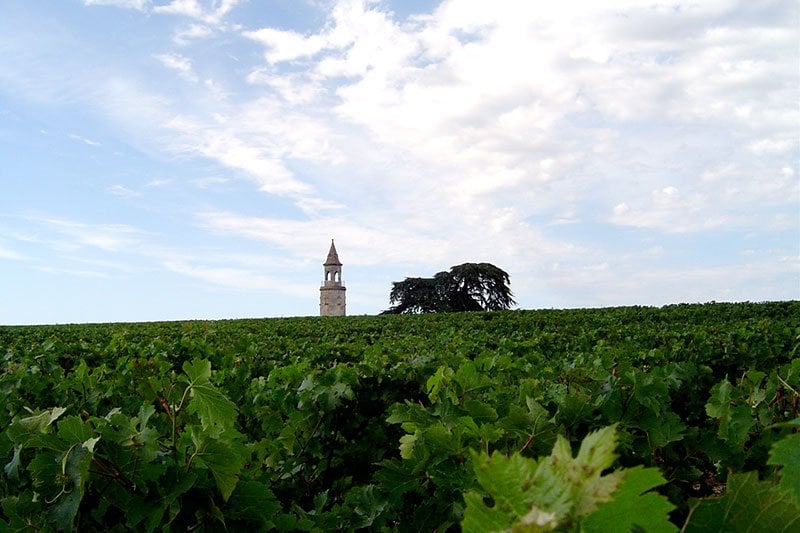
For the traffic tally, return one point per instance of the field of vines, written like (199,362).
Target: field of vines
(680,418)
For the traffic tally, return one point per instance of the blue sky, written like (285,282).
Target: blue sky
(189,159)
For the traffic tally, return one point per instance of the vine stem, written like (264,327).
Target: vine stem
(688,518)
(161,400)
(175,409)
(787,385)
(527,442)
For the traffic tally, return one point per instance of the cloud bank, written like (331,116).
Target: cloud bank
(603,153)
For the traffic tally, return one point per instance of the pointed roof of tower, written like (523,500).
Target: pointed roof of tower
(333,257)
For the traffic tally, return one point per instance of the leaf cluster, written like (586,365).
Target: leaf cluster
(562,492)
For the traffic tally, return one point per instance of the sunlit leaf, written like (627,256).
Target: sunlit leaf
(211,405)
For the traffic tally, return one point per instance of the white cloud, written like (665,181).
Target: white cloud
(179,63)
(208,182)
(195,10)
(191,33)
(71,272)
(130,106)
(480,131)
(107,266)
(316,206)
(493,108)
(268,170)
(123,192)
(364,245)
(156,183)
(107,237)
(503,95)
(404,247)
(238,278)
(754,280)
(259,140)
(671,211)
(224,276)
(290,87)
(139,5)
(773,146)
(84,140)
(285,45)
(8,253)
(729,196)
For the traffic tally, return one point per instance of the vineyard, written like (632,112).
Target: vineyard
(680,418)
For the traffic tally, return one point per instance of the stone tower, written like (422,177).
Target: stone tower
(331,293)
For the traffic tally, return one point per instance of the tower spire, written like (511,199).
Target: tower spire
(333,256)
(332,291)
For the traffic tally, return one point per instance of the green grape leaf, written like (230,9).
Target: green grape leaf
(213,407)
(573,407)
(147,439)
(407,444)
(411,416)
(650,390)
(440,438)
(224,459)
(719,404)
(254,501)
(662,429)
(34,431)
(741,422)
(625,512)
(735,422)
(522,492)
(507,478)
(142,515)
(469,379)
(786,453)
(61,478)
(397,477)
(22,512)
(439,382)
(747,505)
(597,450)
(366,505)
(64,511)
(585,471)
(73,430)
(480,518)
(534,423)
(12,467)
(480,411)
(556,492)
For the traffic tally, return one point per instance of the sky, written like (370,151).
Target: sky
(193,159)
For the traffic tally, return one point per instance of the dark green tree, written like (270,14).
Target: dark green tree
(466,287)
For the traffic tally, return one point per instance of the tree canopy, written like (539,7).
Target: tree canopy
(466,287)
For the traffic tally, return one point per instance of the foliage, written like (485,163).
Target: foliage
(786,453)
(405,422)
(419,295)
(566,492)
(466,287)
(563,493)
(750,504)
